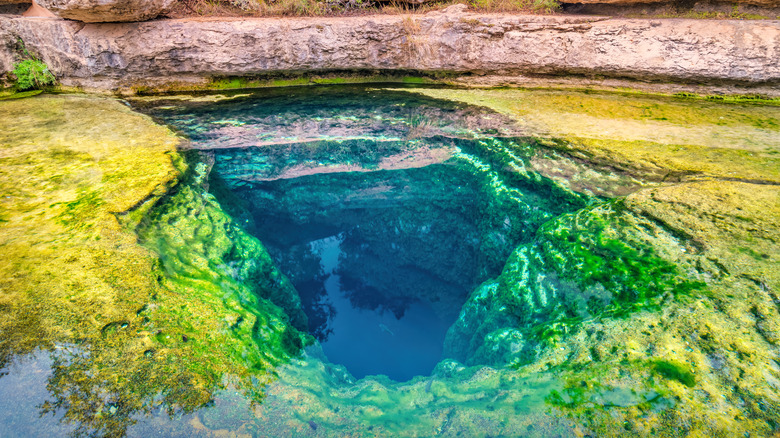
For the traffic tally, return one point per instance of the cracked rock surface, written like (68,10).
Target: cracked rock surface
(194,51)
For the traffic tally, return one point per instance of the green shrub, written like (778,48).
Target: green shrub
(32,74)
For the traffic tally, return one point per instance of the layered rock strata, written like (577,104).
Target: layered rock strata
(159,53)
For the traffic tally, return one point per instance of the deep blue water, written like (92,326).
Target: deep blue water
(376,341)
(381,276)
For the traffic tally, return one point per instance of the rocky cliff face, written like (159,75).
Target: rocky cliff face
(125,55)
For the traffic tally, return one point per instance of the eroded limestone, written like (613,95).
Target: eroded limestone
(186,53)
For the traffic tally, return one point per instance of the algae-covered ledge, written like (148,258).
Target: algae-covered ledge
(632,313)
(620,277)
(80,178)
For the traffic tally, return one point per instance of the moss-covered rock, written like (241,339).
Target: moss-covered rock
(669,292)
(653,314)
(131,328)
(654,137)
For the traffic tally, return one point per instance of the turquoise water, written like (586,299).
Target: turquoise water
(362,261)
(379,208)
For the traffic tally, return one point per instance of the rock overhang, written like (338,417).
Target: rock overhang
(182,53)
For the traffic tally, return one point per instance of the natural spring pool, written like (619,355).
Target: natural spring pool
(389,261)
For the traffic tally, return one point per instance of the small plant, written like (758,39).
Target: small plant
(536,6)
(545,6)
(31,73)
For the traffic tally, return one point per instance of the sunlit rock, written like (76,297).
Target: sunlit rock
(94,11)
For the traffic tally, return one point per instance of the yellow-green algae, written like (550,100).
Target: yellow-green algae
(664,137)
(701,363)
(716,346)
(703,358)
(127,333)
(69,165)
(284,80)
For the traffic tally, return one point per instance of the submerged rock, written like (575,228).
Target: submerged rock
(654,313)
(130,328)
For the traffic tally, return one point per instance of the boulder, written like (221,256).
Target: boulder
(102,11)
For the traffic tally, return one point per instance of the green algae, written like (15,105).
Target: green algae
(218,83)
(598,262)
(601,246)
(204,253)
(642,134)
(323,79)
(127,335)
(615,350)
(738,98)
(454,400)
(671,370)
(19,94)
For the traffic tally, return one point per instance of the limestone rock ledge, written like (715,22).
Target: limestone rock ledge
(190,51)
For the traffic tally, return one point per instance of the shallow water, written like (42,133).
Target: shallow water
(371,262)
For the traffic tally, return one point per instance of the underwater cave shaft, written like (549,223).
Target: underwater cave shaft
(384,259)
(385,209)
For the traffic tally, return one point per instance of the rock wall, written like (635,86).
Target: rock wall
(190,51)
